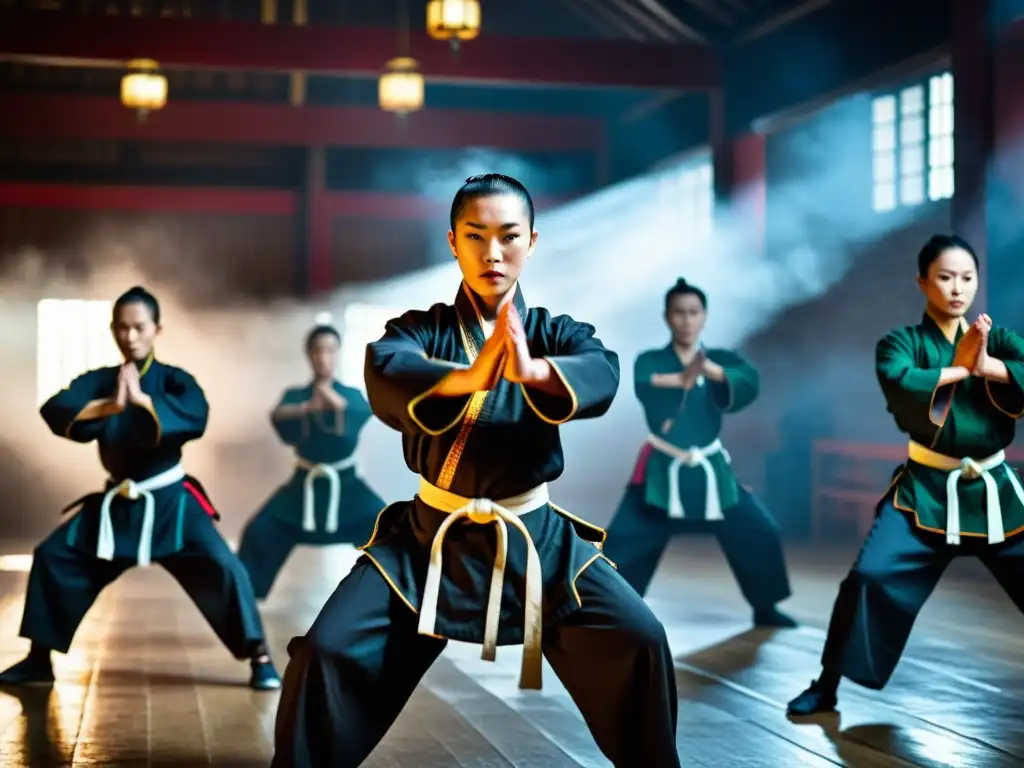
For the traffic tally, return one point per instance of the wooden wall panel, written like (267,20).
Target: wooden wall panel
(366,249)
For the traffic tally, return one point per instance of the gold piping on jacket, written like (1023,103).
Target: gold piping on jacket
(149,362)
(917,519)
(992,399)
(570,516)
(573,399)
(470,414)
(103,401)
(411,408)
(472,411)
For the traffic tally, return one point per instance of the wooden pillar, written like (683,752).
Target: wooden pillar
(740,186)
(316,235)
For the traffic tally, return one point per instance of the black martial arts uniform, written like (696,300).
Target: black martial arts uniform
(151,511)
(352,673)
(325,501)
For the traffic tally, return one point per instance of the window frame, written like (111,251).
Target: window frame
(72,336)
(933,180)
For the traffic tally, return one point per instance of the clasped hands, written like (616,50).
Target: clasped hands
(688,378)
(506,354)
(699,366)
(325,398)
(972,349)
(129,388)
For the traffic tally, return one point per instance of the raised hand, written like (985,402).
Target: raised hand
(133,387)
(328,398)
(487,369)
(984,324)
(520,365)
(121,396)
(970,345)
(694,370)
(316,401)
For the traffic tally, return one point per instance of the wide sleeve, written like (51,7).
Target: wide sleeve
(1008,398)
(179,410)
(912,394)
(659,403)
(64,413)
(356,414)
(291,429)
(401,380)
(588,371)
(742,381)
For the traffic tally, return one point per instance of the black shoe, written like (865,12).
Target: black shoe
(773,617)
(816,699)
(32,670)
(264,676)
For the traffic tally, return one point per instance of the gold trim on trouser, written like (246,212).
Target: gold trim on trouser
(971,469)
(502,513)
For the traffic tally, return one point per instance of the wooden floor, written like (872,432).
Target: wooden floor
(147,684)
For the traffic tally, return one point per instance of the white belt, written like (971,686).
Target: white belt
(135,490)
(970,469)
(330,471)
(692,457)
(484,512)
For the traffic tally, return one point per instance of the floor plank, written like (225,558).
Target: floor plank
(147,684)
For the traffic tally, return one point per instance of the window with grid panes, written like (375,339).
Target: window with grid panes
(912,145)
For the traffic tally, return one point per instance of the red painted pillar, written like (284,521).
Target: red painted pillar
(748,187)
(741,190)
(317,224)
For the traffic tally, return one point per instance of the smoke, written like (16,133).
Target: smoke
(242,356)
(437,176)
(606,259)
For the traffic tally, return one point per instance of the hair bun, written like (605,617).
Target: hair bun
(681,283)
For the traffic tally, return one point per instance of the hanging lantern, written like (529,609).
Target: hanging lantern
(453,20)
(401,87)
(145,89)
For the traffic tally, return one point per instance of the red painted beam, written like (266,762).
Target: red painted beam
(25,115)
(149,199)
(323,49)
(99,197)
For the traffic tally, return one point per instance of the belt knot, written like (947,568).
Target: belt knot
(128,488)
(971,469)
(481,511)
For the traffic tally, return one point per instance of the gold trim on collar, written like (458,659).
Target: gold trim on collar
(962,326)
(149,362)
(474,406)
